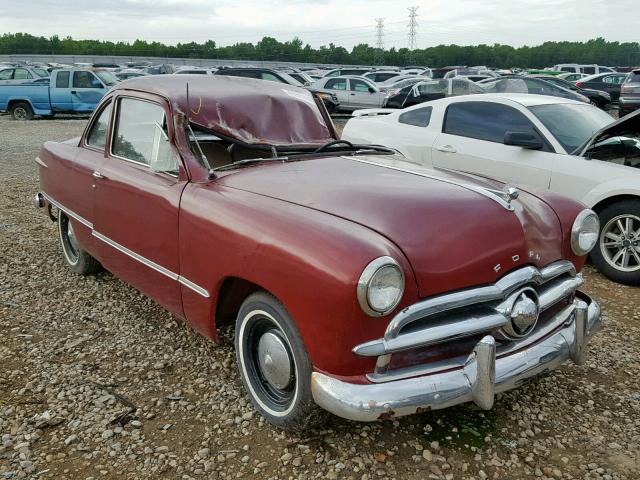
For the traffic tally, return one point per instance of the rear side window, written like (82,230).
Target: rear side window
(588,70)
(135,129)
(336,84)
(419,117)
(633,77)
(98,135)
(6,74)
(269,76)
(484,121)
(21,74)
(62,80)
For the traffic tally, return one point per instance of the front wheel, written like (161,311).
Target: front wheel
(273,363)
(75,257)
(617,254)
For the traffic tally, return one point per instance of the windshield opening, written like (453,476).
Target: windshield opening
(572,125)
(108,78)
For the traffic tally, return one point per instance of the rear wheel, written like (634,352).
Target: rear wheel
(75,257)
(21,111)
(273,363)
(617,254)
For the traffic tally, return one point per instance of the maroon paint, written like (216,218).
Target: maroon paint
(302,230)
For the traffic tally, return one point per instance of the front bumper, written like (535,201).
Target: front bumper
(483,375)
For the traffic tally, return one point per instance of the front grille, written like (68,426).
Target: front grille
(439,333)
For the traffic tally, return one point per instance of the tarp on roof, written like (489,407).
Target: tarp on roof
(255,112)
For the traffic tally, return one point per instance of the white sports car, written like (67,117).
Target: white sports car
(569,147)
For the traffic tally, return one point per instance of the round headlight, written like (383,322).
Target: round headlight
(584,233)
(381,286)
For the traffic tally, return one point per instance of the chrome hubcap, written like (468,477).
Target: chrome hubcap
(620,243)
(274,360)
(71,235)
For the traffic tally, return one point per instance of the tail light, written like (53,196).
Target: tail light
(579,84)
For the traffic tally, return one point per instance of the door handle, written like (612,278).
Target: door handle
(97,174)
(446,149)
(73,92)
(353,94)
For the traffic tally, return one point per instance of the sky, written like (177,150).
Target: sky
(319,22)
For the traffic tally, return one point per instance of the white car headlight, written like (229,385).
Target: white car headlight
(380,287)
(584,232)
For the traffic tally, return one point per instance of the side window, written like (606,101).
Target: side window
(588,70)
(484,121)
(336,84)
(567,69)
(62,80)
(333,74)
(140,135)
(21,74)
(419,117)
(358,86)
(6,74)
(84,79)
(270,76)
(98,134)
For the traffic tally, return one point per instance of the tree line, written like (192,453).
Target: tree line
(597,51)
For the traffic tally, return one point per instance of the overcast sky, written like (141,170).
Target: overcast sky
(319,22)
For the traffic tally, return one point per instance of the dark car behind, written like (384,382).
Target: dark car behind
(630,93)
(596,97)
(607,82)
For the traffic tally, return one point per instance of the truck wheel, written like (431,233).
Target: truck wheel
(274,365)
(75,257)
(21,111)
(617,254)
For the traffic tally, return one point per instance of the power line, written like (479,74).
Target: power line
(413,26)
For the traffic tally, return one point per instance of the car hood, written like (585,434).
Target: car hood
(452,236)
(628,124)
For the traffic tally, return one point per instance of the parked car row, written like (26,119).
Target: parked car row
(360,280)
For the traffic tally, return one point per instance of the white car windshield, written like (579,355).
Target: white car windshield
(572,125)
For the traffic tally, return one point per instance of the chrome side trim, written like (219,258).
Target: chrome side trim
(135,256)
(196,288)
(145,261)
(488,193)
(69,212)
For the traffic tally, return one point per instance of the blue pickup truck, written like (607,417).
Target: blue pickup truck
(67,91)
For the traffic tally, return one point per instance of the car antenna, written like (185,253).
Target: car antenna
(203,157)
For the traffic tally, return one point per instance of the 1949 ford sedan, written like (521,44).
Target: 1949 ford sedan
(355,284)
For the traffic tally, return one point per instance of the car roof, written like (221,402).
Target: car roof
(241,108)
(524,99)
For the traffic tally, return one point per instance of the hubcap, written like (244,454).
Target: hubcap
(73,242)
(274,360)
(20,113)
(620,243)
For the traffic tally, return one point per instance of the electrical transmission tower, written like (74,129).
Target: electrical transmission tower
(379,55)
(413,26)
(380,33)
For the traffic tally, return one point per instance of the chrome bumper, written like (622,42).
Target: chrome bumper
(478,380)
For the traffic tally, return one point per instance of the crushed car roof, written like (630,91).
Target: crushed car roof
(255,112)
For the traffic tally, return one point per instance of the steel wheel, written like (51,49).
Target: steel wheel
(620,243)
(20,113)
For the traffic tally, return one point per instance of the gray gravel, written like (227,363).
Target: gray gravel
(96,381)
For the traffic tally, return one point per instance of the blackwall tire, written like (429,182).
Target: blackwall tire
(21,111)
(274,365)
(614,241)
(74,256)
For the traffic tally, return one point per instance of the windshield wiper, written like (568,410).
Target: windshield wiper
(248,161)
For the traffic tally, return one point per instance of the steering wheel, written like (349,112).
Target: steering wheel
(331,144)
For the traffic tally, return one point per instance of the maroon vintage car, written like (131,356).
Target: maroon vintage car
(356,284)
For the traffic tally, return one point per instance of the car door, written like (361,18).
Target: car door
(86,91)
(472,140)
(136,206)
(60,91)
(361,96)
(339,87)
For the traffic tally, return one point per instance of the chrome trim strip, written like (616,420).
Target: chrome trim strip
(196,288)
(135,256)
(69,212)
(145,261)
(474,188)
(478,380)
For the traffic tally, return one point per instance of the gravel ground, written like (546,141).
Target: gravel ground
(96,381)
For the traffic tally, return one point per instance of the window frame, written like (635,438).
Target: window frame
(94,120)
(28,77)
(11,71)
(356,81)
(346,84)
(115,112)
(547,146)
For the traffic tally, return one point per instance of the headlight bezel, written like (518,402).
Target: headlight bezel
(365,280)
(576,231)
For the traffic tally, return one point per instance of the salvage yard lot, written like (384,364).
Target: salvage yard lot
(98,381)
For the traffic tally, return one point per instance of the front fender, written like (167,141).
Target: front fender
(613,188)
